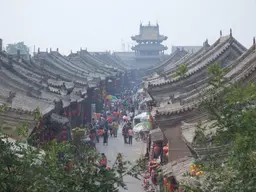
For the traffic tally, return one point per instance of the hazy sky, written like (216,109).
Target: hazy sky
(101,25)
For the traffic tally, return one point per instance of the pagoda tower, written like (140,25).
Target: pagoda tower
(149,48)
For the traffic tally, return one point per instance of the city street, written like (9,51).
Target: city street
(130,153)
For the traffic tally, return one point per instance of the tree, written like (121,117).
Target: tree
(63,167)
(181,71)
(13,48)
(232,107)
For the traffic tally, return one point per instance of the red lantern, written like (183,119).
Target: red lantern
(165,182)
(69,166)
(165,149)
(157,150)
(41,124)
(152,163)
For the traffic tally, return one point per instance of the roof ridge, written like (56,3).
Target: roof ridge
(192,105)
(197,69)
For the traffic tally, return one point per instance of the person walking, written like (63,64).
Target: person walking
(97,132)
(130,134)
(115,127)
(105,137)
(110,127)
(124,133)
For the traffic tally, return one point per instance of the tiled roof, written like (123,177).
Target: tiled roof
(177,168)
(59,119)
(149,47)
(148,33)
(214,52)
(189,49)
(240,69)
(174,57)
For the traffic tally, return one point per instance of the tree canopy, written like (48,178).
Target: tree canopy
(232,108)
(13,48)
(181,70)
(59,167)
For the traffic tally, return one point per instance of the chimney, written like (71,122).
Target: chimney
(38,50)
(230,32)
(50,50)
(221,33)
(1,45)
(18,54)
(46,50)
(57,49)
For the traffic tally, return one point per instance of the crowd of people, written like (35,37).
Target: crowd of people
(108,126)
(116,115)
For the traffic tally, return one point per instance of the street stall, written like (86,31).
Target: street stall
(142,117)
(141,130)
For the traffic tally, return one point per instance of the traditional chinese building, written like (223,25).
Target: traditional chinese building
(149,49)
(177,98)
(63,89)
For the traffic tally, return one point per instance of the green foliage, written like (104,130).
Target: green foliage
(233,167)
(12,48)
(35,170)
(59,167)
(181,71)
(217,75)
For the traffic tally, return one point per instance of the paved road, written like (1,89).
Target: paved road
(131,153)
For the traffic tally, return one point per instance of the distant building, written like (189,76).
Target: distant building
(127,57)
(149,49)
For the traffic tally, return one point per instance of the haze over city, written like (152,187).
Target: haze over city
(100,25)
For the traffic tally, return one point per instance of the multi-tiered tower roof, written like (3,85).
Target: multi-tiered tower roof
(149,48)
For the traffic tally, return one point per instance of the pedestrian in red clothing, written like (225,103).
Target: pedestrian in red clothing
(103,161)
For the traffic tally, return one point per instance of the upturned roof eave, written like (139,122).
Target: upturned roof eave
(196,69)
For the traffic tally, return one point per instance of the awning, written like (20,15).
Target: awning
(156,135)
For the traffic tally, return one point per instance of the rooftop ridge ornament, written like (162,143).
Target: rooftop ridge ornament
(1,44)
(230,32)
(221,33)
(254,42)
(206,43)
